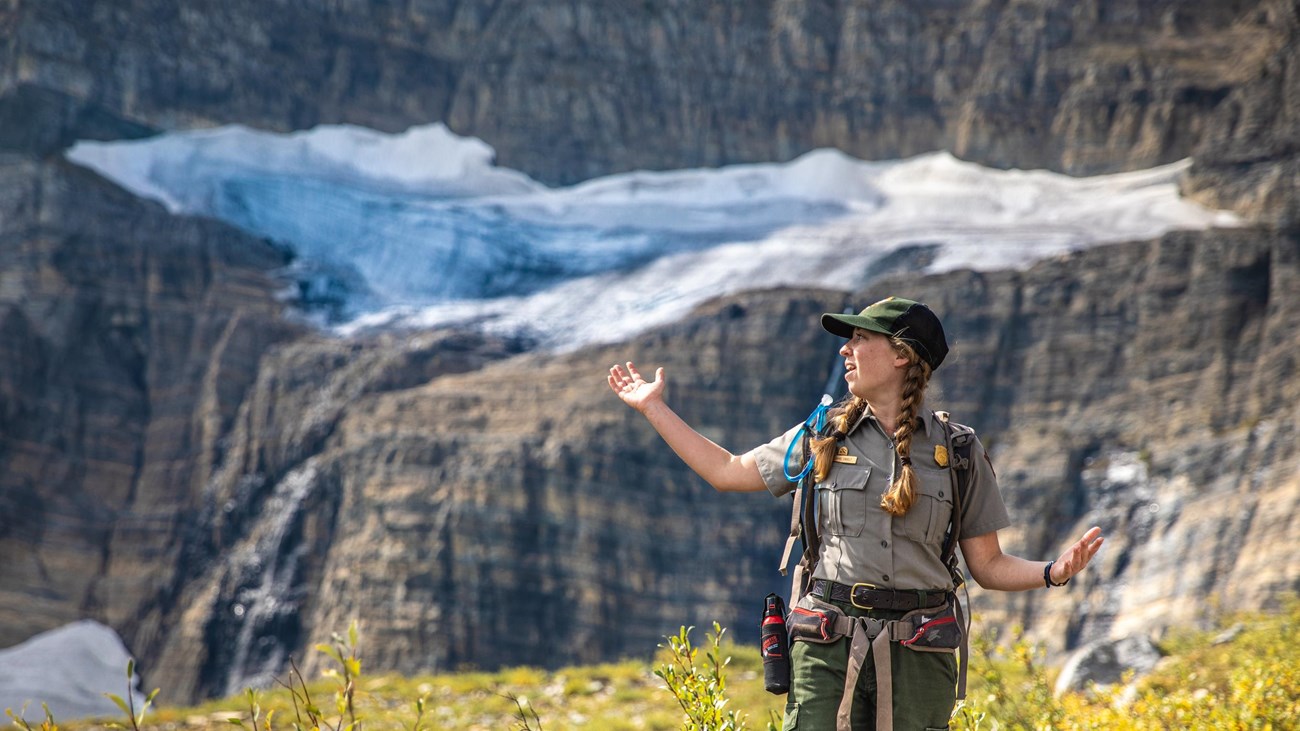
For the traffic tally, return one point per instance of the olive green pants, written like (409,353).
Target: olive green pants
(925,685)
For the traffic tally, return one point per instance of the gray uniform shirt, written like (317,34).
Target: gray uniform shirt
(863,543)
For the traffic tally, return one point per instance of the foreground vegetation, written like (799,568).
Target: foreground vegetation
(1244,678)
(1250,680)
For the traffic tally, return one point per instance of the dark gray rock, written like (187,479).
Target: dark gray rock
(1107,663)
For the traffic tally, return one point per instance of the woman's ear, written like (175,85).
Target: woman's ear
(902,362)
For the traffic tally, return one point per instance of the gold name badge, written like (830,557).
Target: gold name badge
(941,455)
(843,457)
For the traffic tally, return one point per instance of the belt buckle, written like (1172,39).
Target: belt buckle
(853,594)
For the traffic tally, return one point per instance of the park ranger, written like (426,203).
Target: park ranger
(874,620)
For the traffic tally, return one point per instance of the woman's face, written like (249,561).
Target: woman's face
(872,368)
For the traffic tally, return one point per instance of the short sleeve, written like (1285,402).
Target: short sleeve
(771,461)
(982,509)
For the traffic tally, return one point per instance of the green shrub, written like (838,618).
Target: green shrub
(700,688)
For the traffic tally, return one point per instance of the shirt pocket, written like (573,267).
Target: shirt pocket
(927,520)
(842,502)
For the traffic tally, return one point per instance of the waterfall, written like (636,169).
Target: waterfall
(264,606)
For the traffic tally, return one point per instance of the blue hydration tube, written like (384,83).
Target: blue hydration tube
(813,424)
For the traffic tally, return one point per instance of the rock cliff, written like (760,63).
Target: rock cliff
(183,461)
(571,89)
(515,512)
(129,337)
(1151,390)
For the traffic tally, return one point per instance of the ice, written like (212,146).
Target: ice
(422,228)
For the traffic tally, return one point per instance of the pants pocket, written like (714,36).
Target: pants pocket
(791,717)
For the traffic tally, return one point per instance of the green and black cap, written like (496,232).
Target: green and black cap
(909,321)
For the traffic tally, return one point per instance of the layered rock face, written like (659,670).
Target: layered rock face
(571,89)
(476,519)
(1151,390)
(129,337)
(518,513)
(181,460)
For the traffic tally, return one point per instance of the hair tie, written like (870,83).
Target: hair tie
(907,461)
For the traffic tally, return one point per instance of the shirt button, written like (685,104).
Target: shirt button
(884,544)
(941,493)
(886,577)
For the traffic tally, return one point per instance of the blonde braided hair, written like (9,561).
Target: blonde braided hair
(900,496)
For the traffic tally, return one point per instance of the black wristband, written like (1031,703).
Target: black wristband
(1047,576)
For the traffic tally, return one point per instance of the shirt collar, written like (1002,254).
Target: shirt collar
(867,414)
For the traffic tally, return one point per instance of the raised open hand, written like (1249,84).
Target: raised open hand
(636,391)
(1077,556)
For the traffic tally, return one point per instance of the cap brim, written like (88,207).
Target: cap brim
(844,325)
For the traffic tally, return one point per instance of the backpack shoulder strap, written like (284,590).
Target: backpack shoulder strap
(797,512)
(803,524)
(959,440)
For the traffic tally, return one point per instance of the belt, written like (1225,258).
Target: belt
(867,596)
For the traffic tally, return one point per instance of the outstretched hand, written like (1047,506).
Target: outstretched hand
(1076,557)
(636,391)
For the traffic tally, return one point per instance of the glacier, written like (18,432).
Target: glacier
(423,229)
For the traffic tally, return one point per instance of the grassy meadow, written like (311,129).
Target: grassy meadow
(1248,678)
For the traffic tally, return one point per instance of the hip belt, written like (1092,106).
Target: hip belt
(940,627)
(867,596)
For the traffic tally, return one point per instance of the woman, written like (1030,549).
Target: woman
(884,503)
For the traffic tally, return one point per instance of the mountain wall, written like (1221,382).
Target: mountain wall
(129,337)
(1152,390)
(183,460)
(517,513)
(571,89)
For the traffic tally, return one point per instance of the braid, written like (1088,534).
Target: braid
(900,496)
(842,418)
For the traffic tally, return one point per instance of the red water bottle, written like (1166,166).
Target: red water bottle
(775,643)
